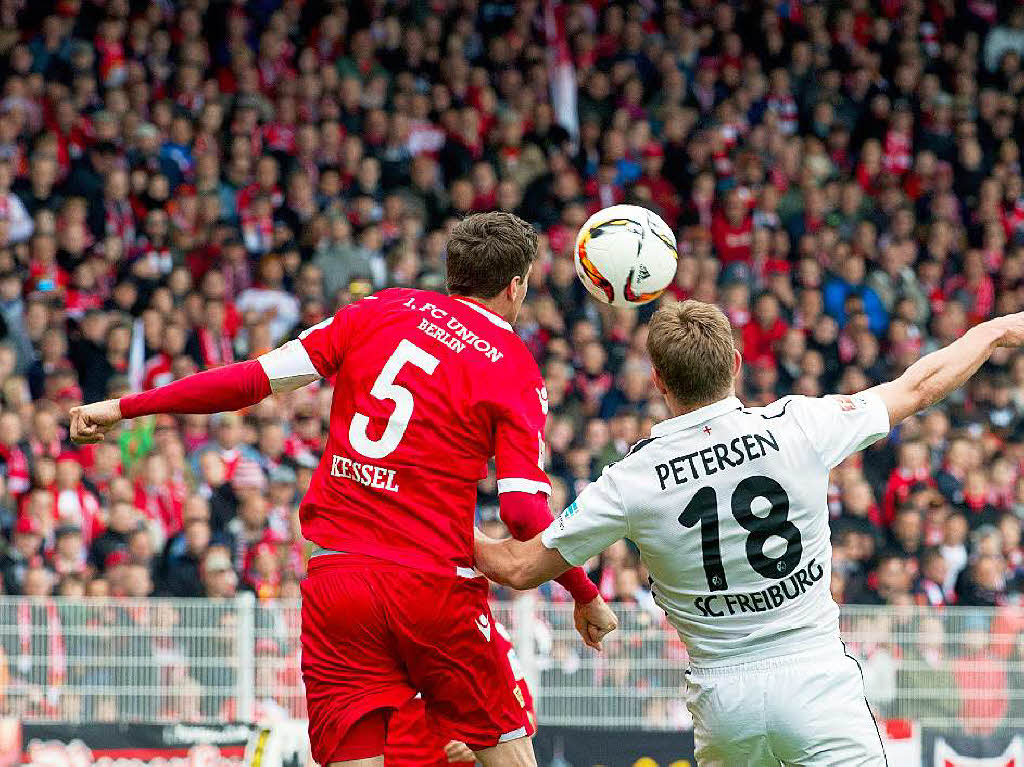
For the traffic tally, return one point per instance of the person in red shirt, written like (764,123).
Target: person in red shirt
(427,388)
(981,680)
(913,469)
(413,742)
(156,496)
(157,370)
(265,185)
(732,230)
(73,502)
(661,190)
(765,329)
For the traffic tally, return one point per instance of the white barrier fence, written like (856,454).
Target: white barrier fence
(158,660)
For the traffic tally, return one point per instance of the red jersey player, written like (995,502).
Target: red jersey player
(413,742)
(427,388)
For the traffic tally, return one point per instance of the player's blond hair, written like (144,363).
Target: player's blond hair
(691,347)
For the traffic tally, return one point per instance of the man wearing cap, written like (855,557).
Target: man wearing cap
(114,567)
(219,578)
(21,554)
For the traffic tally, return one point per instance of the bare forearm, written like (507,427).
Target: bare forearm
(936,375)
(494,559)
(519,564)
(527,515)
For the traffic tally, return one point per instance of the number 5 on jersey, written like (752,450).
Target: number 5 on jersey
(385,388)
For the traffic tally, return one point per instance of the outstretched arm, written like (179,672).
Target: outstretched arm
(222,389)
(936,375)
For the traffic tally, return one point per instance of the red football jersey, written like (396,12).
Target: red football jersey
(427,388)
(412,742)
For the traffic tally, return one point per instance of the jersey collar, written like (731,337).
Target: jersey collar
(492,316)
(696,417)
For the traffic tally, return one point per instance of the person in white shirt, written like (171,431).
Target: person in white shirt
(728,506)
(12,210)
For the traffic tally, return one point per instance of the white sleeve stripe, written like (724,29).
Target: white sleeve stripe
(319,326)
(288,367)
(516,485)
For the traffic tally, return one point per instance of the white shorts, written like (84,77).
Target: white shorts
(805,710)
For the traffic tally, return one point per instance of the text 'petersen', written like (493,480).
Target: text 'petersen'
(715,458)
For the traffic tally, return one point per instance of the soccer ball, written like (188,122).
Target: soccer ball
(626,255)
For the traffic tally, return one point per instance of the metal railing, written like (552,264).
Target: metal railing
(157,660)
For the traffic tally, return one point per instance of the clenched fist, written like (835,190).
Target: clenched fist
(594,621)
(90,422)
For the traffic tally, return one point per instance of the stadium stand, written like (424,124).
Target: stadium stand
(187,184)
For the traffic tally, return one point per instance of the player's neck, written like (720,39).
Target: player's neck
(677,408)
(498,304)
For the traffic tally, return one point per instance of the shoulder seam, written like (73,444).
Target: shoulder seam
(777,415)
(789,398)
(637,446)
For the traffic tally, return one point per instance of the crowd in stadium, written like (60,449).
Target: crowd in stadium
(184,185)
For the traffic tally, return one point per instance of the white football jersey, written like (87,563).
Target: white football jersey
(728,508)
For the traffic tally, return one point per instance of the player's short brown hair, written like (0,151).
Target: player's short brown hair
(692,349)
(486,250)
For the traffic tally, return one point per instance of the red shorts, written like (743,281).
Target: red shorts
(375,633)
(411,742)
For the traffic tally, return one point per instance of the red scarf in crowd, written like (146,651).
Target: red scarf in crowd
(216,350)
(120,222)
(160,504)
(18,477)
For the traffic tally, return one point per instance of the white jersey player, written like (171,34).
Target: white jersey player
(728,508)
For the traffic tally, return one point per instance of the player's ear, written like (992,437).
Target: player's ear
(737,363)
(516,289)
(658,383)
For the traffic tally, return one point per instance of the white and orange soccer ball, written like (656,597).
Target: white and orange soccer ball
(626,255)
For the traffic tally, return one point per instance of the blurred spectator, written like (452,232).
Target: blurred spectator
(931,585)
(889,583)
(981,681)
(23,553)
(182,567)
(926,672)
(218,574)
(183,186)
